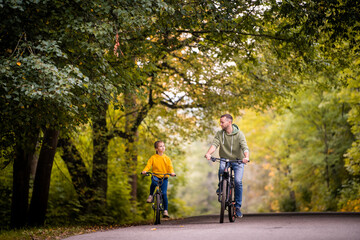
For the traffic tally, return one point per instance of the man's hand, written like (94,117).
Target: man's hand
(172,174)
(208,156)
(246,158)
(209,152)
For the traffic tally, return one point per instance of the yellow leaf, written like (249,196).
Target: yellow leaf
(18,63)
(153,229)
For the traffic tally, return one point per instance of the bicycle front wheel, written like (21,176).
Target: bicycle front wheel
(223,200)
(231,206)
(157,209)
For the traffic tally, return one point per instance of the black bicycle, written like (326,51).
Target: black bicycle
(157,203)
(226,189)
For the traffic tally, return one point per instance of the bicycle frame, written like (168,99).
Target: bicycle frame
(157,204)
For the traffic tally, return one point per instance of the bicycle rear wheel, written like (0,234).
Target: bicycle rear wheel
(157,208)
(223,200)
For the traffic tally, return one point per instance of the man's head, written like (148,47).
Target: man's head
(226,121)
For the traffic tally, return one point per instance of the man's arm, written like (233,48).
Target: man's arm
(210,151)
(244,148)
(246,158)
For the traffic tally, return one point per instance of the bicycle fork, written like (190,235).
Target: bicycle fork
(224,177)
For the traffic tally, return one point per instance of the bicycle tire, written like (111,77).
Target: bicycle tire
(223,200)
(231,206)
(157,209)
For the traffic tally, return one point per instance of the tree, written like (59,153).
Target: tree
(183,63)
(41,89)
(332,28)
(307,160)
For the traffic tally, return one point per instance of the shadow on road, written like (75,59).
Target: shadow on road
(214,219)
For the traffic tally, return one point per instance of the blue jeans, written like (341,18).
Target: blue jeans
(163,190)
(238,175)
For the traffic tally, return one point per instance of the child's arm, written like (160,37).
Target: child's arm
(171,169)
(148,166)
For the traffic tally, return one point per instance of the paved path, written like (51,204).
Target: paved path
(252,226)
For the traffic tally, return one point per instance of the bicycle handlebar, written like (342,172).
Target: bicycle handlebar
(163,174)
(214,159)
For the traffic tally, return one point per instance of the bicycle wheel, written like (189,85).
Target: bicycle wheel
(223,200)
(231,205)
(157,208)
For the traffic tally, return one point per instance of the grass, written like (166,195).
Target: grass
(49,233)
(60,232)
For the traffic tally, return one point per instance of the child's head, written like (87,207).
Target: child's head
(159,146)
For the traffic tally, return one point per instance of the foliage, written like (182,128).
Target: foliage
(34,87)
(63,206)
(351,96)
(306,162)
(5,193)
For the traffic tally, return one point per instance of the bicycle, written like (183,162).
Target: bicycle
(157,202)
(226,189)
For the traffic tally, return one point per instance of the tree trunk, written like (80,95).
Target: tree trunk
(91,190)
(78,172)
(25,148)
(40,193)
(131,147)
(131,152)
(326,152)
(100,159)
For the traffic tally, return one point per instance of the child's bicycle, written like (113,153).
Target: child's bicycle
(226,189)
(158,196)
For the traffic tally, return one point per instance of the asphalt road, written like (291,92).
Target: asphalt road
(252,226)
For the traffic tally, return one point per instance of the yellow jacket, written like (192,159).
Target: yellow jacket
(160,164)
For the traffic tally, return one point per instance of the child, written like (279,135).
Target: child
(161,164)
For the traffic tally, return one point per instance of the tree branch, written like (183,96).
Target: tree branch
(182,106)
(233,32)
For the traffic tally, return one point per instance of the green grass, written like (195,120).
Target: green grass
(50,233)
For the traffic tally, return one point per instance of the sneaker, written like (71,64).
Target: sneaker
(238,213)
(149,199)
(166,214)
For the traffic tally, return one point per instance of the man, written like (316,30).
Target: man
(232,145)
